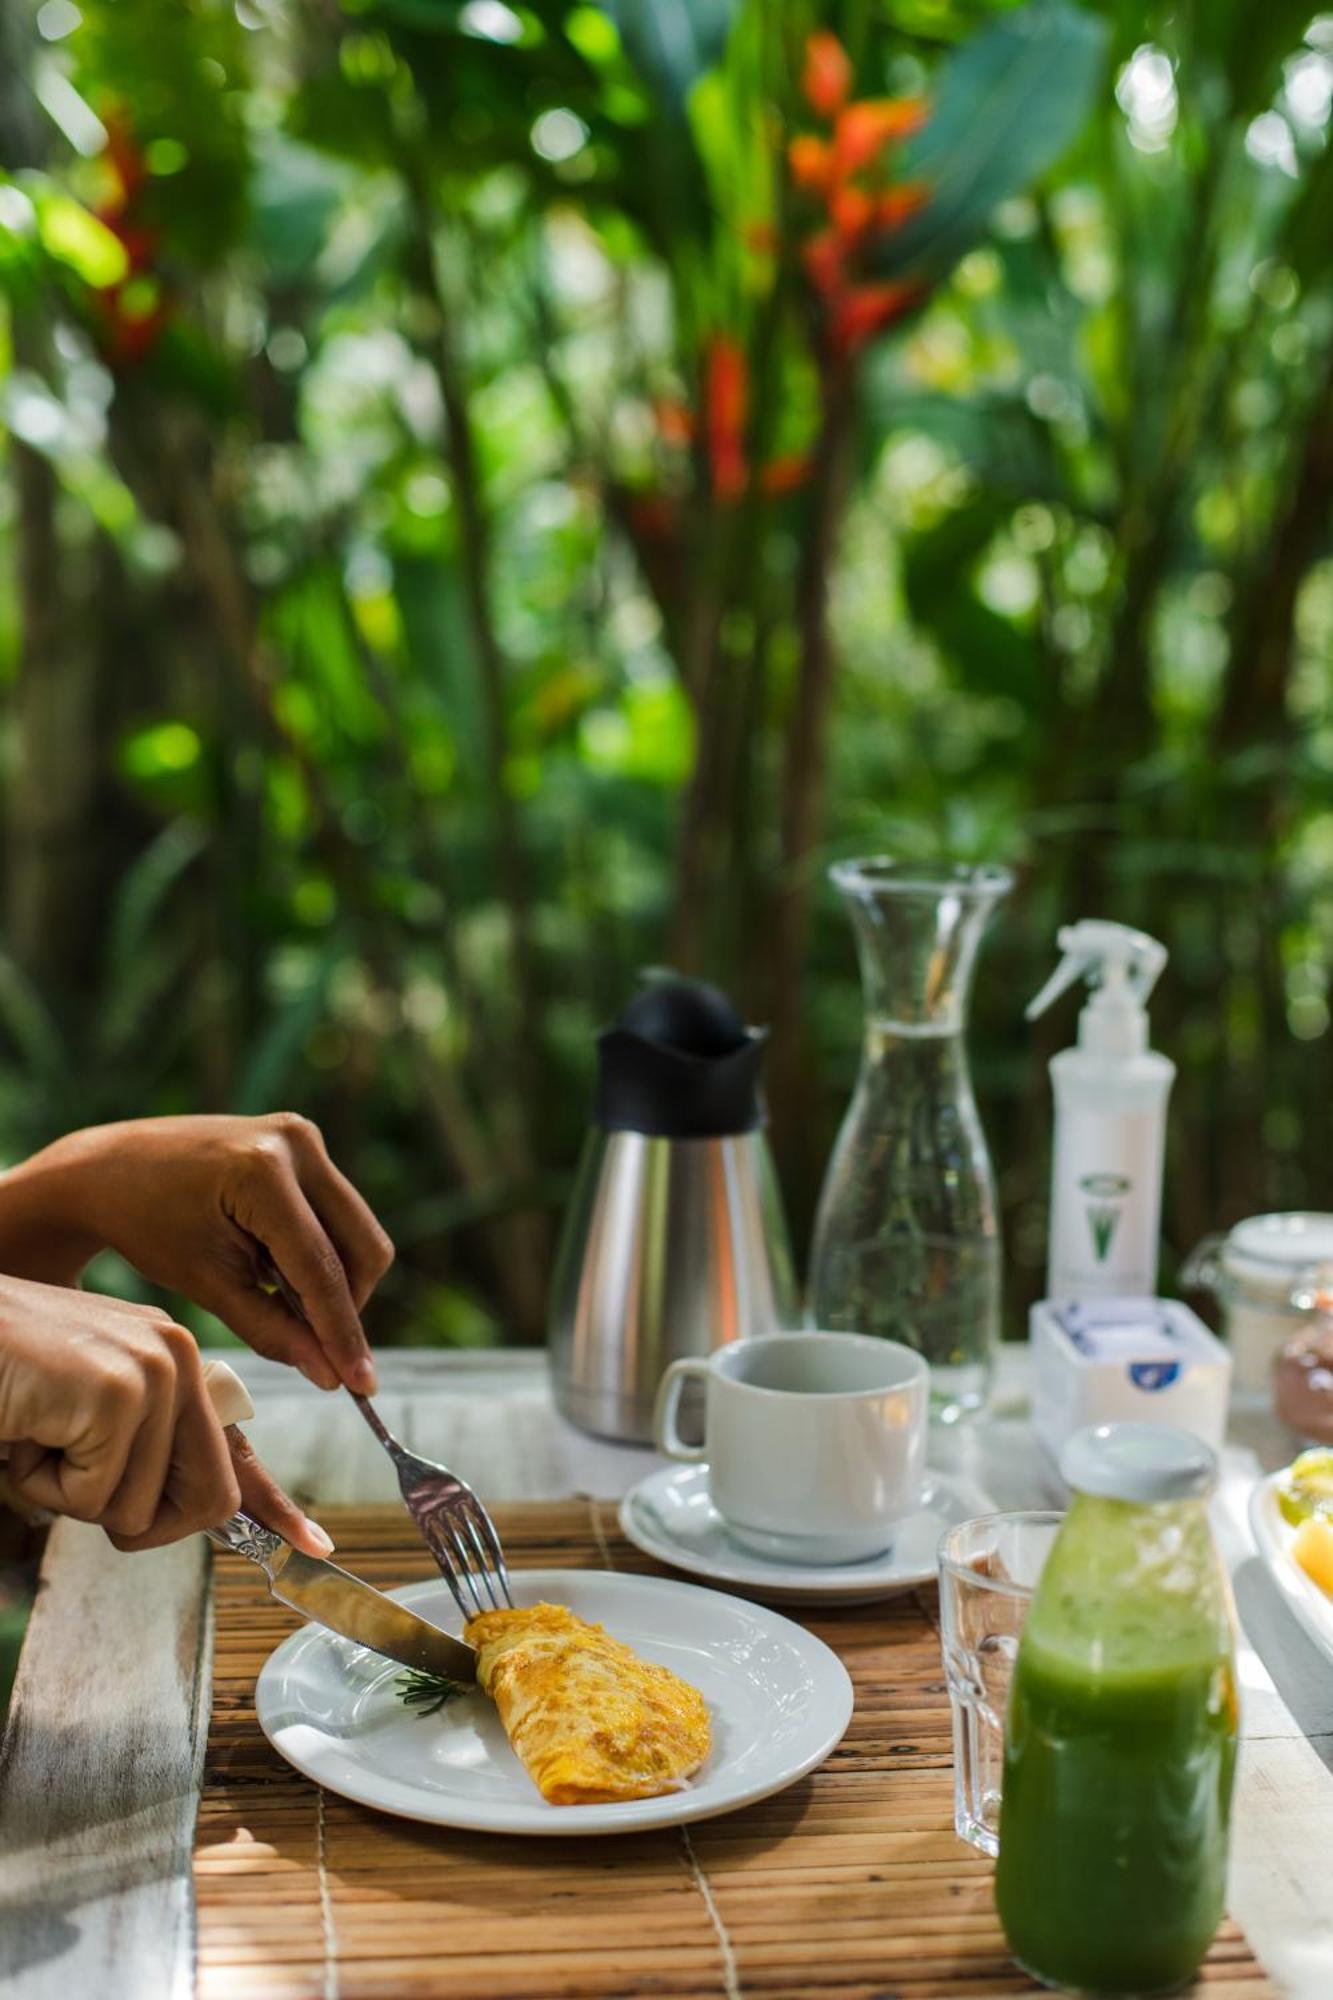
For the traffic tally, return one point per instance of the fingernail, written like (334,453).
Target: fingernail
(323,1543)
(364,1377)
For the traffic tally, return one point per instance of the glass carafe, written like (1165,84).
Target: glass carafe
(906,1241)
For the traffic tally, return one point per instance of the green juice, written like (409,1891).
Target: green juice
(1119,1755)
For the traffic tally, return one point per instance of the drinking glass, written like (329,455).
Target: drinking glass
(988,1571)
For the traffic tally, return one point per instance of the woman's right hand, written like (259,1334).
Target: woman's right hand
(106,1416)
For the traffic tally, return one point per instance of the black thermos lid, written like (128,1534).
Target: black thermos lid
(680,1064)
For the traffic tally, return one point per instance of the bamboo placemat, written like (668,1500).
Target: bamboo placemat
(849,1884)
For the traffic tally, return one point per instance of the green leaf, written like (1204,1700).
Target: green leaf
(25,1018)
(75,237)
(1251,42)
(992,432)
(1005,107)
(276,1053)
(145,955)
(1305,232)
(672,47)
(295,195)
(990,655)
(672,43)
(145,887)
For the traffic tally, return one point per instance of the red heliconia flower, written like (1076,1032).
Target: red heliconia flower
(864,129)
(811,163)
(858,315)
(139,243)
(126,337)
(825,261)
(132,313)
(655,516)
(784,474)
(827,76)
(124,156)
(726,407)
(853,211)
(894,206)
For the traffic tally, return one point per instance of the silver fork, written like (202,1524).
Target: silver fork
(450,1519)
(452,1522)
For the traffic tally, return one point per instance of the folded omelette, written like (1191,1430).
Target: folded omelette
(591,1722)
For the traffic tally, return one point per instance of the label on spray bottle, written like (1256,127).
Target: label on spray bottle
(1106,1193)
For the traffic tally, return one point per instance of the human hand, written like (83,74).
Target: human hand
(211,1206)
(107,1418)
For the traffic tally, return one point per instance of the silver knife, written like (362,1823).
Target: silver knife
(341,1601)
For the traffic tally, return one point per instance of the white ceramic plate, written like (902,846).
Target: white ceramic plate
(1274,1537)
(670,1515)
(778,1700)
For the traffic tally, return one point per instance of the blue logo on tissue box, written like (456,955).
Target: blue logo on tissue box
(1153,1375)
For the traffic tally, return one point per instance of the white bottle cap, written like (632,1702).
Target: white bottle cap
(1147,1463)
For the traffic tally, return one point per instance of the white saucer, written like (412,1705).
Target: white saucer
(670,1515)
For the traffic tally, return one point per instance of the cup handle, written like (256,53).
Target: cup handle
(665,1435)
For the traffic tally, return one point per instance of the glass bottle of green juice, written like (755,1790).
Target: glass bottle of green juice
(1121,1738)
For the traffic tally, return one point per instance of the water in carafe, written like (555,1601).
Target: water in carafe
(906,1240)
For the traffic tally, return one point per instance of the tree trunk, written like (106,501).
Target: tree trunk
(803,790)
(52,856)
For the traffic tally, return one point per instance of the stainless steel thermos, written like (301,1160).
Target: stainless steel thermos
(674,1242)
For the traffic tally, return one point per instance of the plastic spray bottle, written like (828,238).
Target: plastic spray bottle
(1110,1118)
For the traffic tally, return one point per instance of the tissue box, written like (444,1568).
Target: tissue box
(1126,1360)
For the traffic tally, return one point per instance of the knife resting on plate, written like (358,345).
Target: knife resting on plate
(347,1606)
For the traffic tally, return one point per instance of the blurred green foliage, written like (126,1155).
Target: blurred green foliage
(499,495)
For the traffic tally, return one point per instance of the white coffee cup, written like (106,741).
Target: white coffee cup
(815,1442)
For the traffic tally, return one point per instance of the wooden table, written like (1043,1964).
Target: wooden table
(101,1761)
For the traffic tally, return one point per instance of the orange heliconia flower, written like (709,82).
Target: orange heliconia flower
(726,407)
(827,76)
(811,163)
(864,129)
(859,314)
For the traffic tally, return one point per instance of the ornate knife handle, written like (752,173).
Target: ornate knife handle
(247,1537)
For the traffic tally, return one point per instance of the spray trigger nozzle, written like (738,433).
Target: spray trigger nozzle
(1122,966)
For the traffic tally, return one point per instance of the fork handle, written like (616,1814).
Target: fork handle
(377,1424)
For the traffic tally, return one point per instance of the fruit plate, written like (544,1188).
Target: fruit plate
(778,1701)
(1274,1537)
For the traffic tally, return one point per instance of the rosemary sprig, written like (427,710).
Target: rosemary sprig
(425,1692)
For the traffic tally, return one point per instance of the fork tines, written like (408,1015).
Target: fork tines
(452,1522)
(463,1541)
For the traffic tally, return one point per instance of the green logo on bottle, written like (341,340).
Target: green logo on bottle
(1107,1192)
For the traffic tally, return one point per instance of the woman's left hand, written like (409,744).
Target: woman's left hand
(212,1207)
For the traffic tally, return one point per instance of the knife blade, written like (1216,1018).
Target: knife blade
(333,1597)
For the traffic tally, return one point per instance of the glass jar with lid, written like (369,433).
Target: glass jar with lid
(1268,1274)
